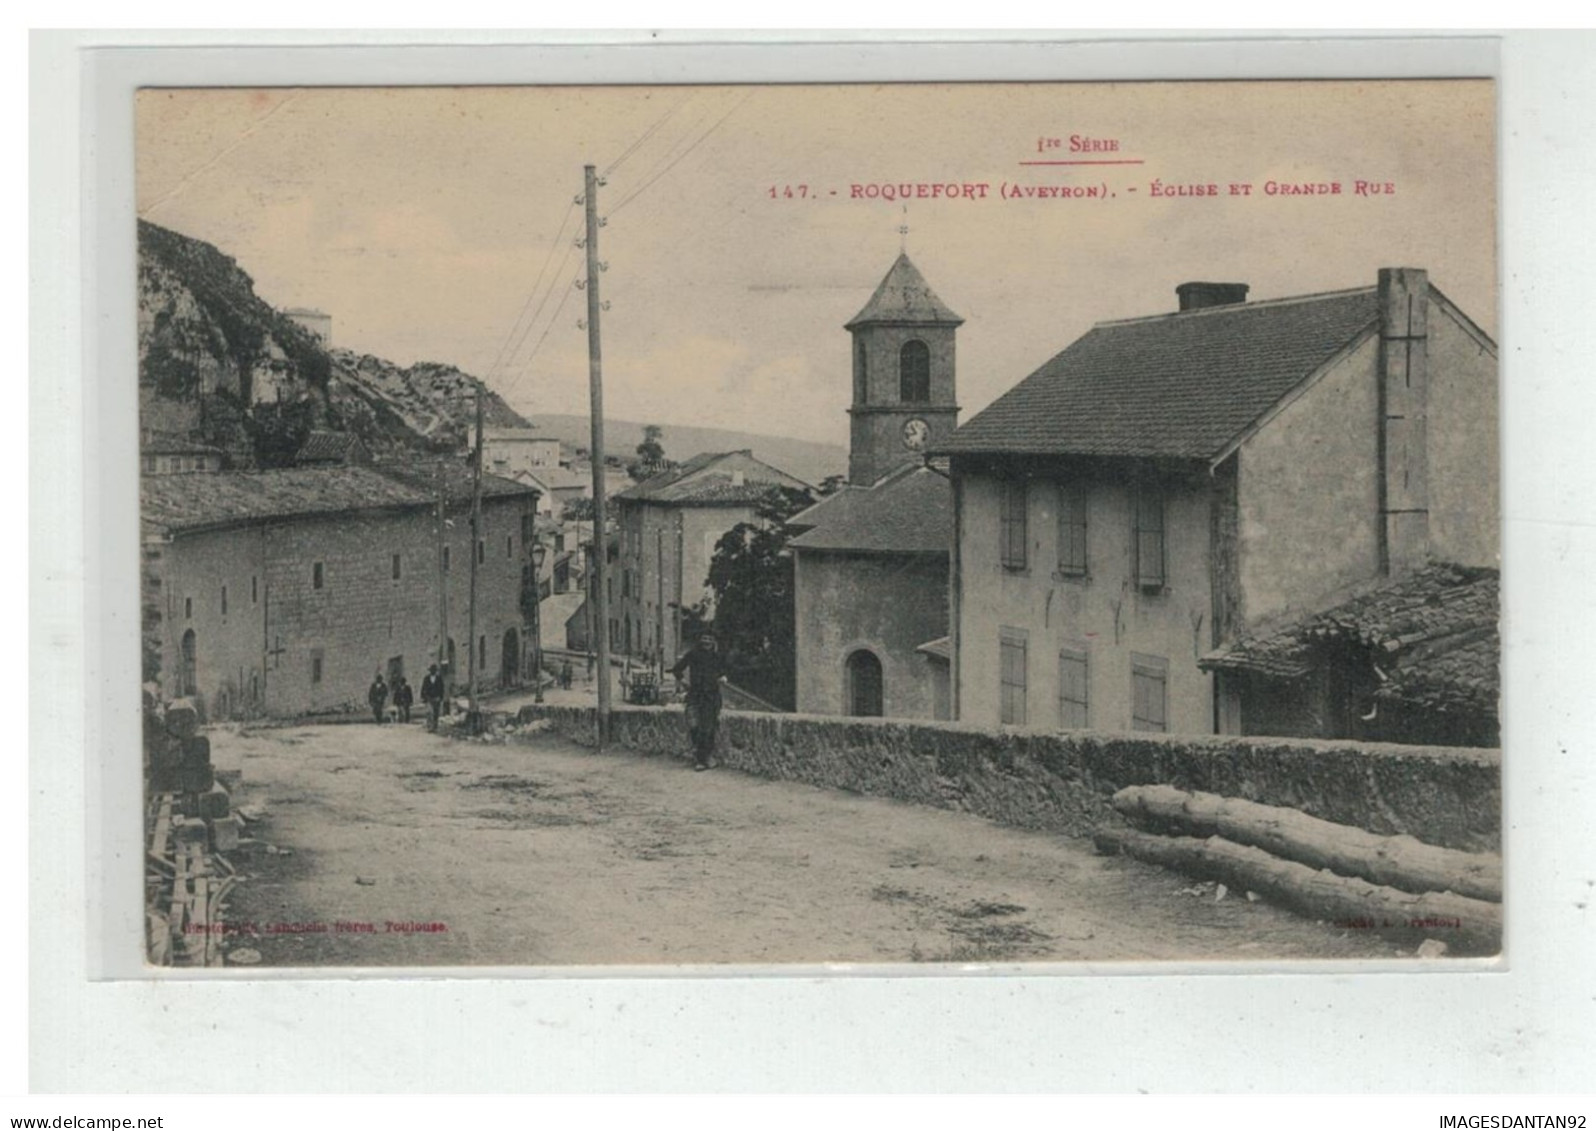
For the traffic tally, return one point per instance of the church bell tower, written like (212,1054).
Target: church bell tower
(903,389)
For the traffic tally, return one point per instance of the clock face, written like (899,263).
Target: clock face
(916,433)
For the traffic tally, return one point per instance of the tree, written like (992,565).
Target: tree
(578,510)
(650,455)
(751,576)
(831,484)
(278,430)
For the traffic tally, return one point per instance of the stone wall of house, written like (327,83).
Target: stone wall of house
(681,539)
(1062,781)
(1463,440)
(1309,494)
(1103,614)
(258,656)
(888,604)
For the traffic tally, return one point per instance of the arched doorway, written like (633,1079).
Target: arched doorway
(187,672)
(510,662)
(864,689)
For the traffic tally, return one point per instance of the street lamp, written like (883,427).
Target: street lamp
(539,554)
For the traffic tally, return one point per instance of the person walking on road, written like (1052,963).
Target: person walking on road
(432,695)
(403,696)
(377,696)
(705,667)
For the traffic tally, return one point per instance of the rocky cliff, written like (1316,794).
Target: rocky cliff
(220,366)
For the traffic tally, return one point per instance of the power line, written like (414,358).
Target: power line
(616,164)
(506,350)
(635,193)
(531,324)
(527,365)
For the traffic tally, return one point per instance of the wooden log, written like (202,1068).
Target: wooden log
(179,898)
(202,919)
(160,847)
(1474,925)
(1393,861)
(160,938)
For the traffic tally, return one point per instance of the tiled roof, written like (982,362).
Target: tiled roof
(176,503)
(1434,633)
(228,498)
(423,475)
(909,512)
(173,444)
(525,434)
(1175,385)
(905,296)
(555,478)
(327,446)
(701,481)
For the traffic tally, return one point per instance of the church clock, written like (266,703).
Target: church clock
(916,434)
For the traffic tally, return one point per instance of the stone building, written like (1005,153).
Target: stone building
(667,527)
(1168,486)
(870,584)
(168,454)
(1413,658)
(871,568)
(318,322)
(556,486)
(508,451)
(281,592)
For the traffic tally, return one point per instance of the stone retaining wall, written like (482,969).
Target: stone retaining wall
(1062,782)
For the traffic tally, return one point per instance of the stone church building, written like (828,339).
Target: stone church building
(871,566)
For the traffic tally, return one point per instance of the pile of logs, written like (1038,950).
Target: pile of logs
(189,825)
(1394,884)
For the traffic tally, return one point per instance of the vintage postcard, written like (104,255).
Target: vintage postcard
(875,524)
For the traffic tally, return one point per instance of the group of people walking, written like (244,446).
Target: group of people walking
(704,667)
(404,696)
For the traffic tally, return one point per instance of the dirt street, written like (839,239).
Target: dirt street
(387,845)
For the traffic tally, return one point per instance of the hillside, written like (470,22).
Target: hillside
(219,365)
(806,459)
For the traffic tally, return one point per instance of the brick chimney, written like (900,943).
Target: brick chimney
(1199,296)
(1404,302)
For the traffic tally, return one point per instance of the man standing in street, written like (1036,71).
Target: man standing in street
(705,668)
(377,696)
(403,697)
(432,695)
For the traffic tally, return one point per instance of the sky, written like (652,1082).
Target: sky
(438,223)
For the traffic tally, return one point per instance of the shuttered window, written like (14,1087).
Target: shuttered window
(1149,693)
(1011,676)
(1072,689)
(1071,529)
(1011,520)
(1149,538)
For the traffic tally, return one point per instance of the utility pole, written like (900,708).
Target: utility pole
(474,721)
(595,375)
(443,577)
(659,599)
